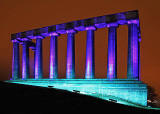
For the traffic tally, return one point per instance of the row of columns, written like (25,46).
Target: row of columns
(132,64)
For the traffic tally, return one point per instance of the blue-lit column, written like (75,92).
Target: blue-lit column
(34,50)
(15,61)
(25,60)
(38,59)
(53,57)
(133,52)
(112,53)
(70,66)
(90,65)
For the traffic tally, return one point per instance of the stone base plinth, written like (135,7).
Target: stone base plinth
(130,92)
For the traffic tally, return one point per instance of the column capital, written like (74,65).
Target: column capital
(71,31)
(136,21)
(25,39)
(38,37)
(15,40)
(112,25)
(90,28)
(54,34)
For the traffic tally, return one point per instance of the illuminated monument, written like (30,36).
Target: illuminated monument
(127,91)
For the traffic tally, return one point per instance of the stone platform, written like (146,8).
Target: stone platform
(130,92)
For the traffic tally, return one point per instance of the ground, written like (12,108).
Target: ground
(25,99)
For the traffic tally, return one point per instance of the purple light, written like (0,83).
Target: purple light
(133,52)
(89,73)
(122,22)
(38,59)
(36,70)
(54,34)
(15,40)
(112,25)
(133,21)
(25,61)
(53,58)
(15,61)
(111,73)
(70,66)
(101,25)
(39,37)
(25,39)
(70,31)
(91,28)
(112,53)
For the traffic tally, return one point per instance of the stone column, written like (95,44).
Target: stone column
(38,59)
(70,67)
(15,61)
(53,57)
(34,50)
(25,60)
(90,64)
(112,53)
(133,52)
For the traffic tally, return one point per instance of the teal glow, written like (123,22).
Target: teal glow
(124,91)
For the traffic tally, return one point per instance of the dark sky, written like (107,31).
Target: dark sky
(22,15)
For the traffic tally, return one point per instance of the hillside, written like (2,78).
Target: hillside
(25,99)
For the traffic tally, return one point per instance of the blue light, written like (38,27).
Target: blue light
(70,66)
(90,70)
(53,57)
(112,53)
(25,61)
(130,92)
(15,61)
(38,59)
(133,52)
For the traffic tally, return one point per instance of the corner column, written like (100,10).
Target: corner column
(33,63)
(53,57)
(70,66)
(112,53)
(133,52)
(25,60)
(15,61)
(90,64)
(38,59)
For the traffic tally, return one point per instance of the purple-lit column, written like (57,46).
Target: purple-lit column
(133,52)
(70,66)
(53,57)
(15,61)
(25,60)
(34,50)
(112,53)
(90,65)
(38,59)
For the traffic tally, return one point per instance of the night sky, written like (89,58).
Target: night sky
(21,15)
